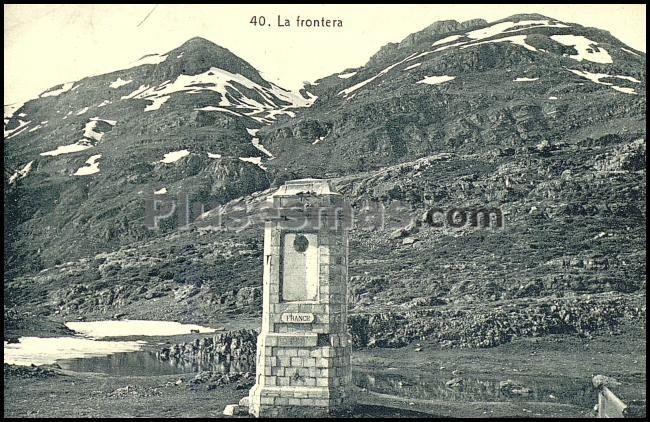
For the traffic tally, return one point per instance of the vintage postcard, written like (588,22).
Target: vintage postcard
(324,210)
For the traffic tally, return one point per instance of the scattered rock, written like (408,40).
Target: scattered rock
(454,383)
(231,410)
(491,326)
(32,371)
(399,233)
(409,241)
(122,391)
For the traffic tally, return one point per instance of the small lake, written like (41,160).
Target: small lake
(47,350)
(147,363)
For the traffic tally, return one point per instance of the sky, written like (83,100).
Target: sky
(45,45)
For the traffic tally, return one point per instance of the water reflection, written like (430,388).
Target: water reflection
(47,350)
(432,387)
(145,363)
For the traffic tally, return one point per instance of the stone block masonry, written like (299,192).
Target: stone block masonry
(303,350)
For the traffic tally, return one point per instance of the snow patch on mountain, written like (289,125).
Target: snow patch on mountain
(156,103)
(509,27)
(252,132)
(174,156)
(311,98)
(82,111)
(447,40)
(105,102)
(629,78)
(587,49)
(420,55)
(353,88)
(15,131)
(272,113)
(133,94)
(412,66)
(221,81)
(596,78)
(55,92)
(160,191)
(221,109)
(255,160)
(515,39)
(89,129)
(435,80)
(91,167)
(449,46)
(110,122)
(21,173)
(67,149)
(261,120)
(346,75)
(624,89)
(256,143)
(524,79)
(630,51)
(210,155)
(119,82)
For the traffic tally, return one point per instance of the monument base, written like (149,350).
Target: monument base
(266,401)
(297,377)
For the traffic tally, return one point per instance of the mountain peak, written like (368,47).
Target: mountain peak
(198,42)
(198,55)
(438,29)
(526,16)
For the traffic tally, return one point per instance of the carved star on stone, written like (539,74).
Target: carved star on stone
(297,376)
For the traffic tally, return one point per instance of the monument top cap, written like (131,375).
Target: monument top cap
(305,187)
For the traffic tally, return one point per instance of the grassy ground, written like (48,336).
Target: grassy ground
(554,359)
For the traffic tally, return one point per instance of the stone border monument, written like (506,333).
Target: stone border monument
(303,350)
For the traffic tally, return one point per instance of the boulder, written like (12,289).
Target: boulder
(454,383)
(231,410)
(409,241)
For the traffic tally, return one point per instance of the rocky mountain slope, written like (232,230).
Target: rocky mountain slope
(541,119)
(81,158)
(467,87)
